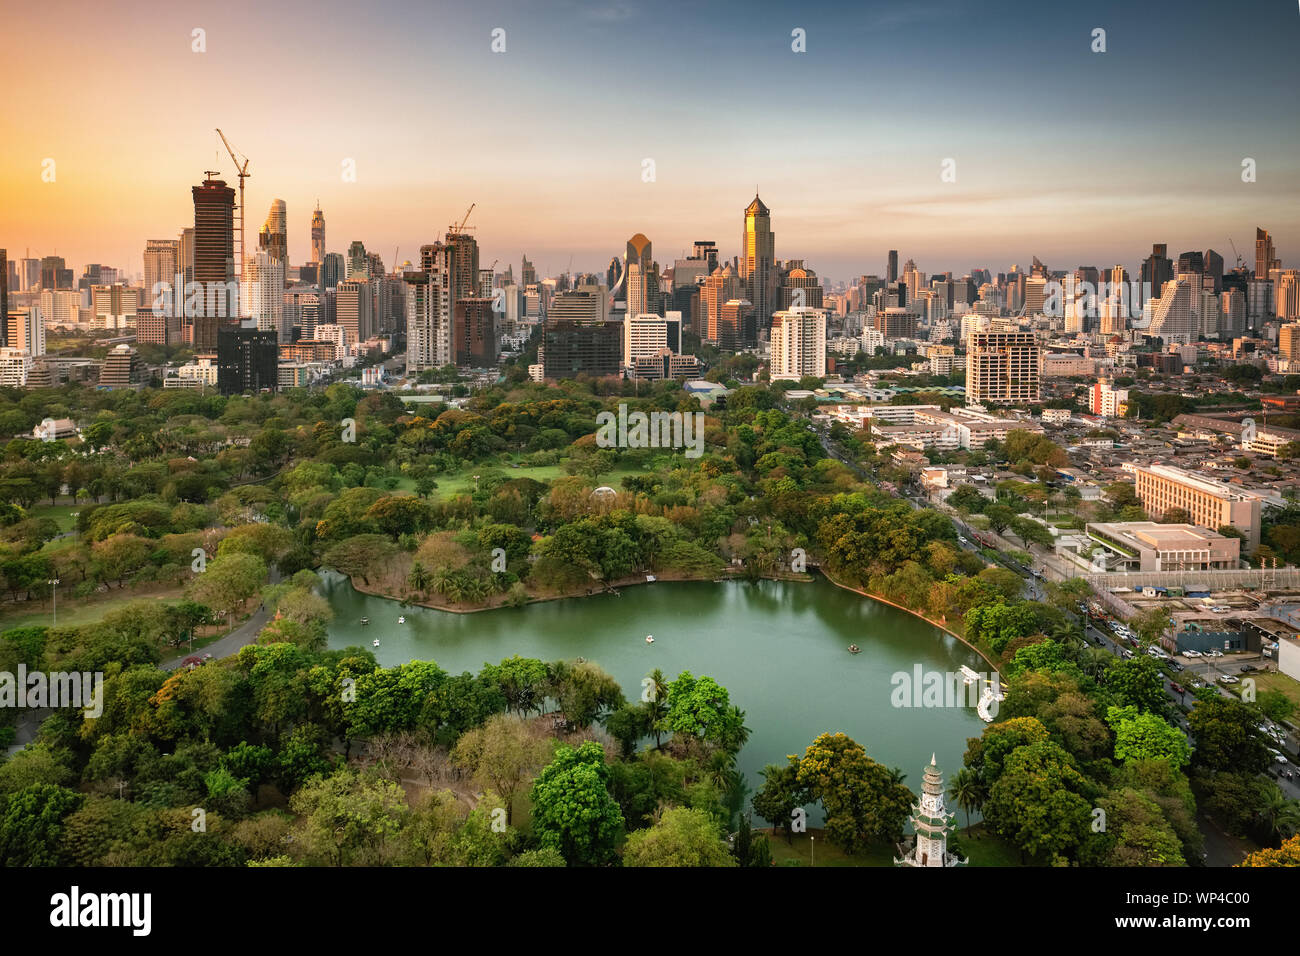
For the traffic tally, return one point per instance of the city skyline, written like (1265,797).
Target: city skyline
(558,169)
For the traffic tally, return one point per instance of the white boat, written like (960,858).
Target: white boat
(649,639)
(375,642)
(401,620)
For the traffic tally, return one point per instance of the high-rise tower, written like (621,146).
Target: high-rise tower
(757,260)
(1264,261)
(214,258)
(318,235)
(640,262)
(273,238)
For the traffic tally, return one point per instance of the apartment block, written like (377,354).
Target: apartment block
(1211,504)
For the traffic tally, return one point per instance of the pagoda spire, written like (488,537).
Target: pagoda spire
(931,823)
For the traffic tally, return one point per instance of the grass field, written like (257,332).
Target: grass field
(1272,681)
(982,849)
(76,611)
(461,482)
(60,513)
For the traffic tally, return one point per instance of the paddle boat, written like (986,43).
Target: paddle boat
(402,619)
(649,639)
(375,642)
(365,620)
(854,649)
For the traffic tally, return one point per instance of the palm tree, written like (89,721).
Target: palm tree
(1095,661)
(657,703)
(419,578)
(1276,814)
(966,789)
(442,579)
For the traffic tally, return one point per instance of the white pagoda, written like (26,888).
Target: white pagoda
(931,821)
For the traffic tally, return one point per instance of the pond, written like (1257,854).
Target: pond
(780,649)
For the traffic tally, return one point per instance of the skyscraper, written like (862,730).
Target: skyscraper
(1002,368)
(214,258)
(332,270)
(1263,253)
(263,292)
(891,269)
(162,268)
(318,235)
(640,262)
(757,260)
(798,344)
(274,234)
(358,261)
(1157,269)
(4,294)
(1214,269)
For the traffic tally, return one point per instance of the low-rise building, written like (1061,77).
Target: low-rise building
(1149,546)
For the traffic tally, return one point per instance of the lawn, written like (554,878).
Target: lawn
(461,482)
(1273,681)
(77,611)
(981,849)
(62,514)
(800,852)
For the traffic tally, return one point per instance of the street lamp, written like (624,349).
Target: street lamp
(54,592)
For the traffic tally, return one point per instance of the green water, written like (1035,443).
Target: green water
(779,648)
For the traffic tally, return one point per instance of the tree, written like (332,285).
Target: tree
(572,809)
(1288,854)
(1227,736)
(1138,681)
(1040,802)
(700,708)
(967,790)
(585,692)
(999,623)
(780,795)
(502,755)
(349,815)
(32,824)
(1150,624)
(1146,737)
(682,837)
(1136,834)
(229,581)
(418,579)
(863,800)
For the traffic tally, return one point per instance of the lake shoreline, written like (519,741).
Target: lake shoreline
(612,587)
(916,614)
(670,576)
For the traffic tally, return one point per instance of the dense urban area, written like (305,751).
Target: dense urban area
(1086,476)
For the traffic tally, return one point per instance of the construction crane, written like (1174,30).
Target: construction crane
(243,174)
(1235,252)
(457,230)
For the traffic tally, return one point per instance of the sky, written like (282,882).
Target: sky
(1078,157)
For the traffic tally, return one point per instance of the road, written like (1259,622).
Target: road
(1208,669)
(241,636)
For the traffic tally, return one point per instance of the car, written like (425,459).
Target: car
(1126,653)
(1228,679)
(1177,688)
(1191,653)
(1213,653)
(1178,665)
(1278,756)
(1246,668)
(1196,683)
